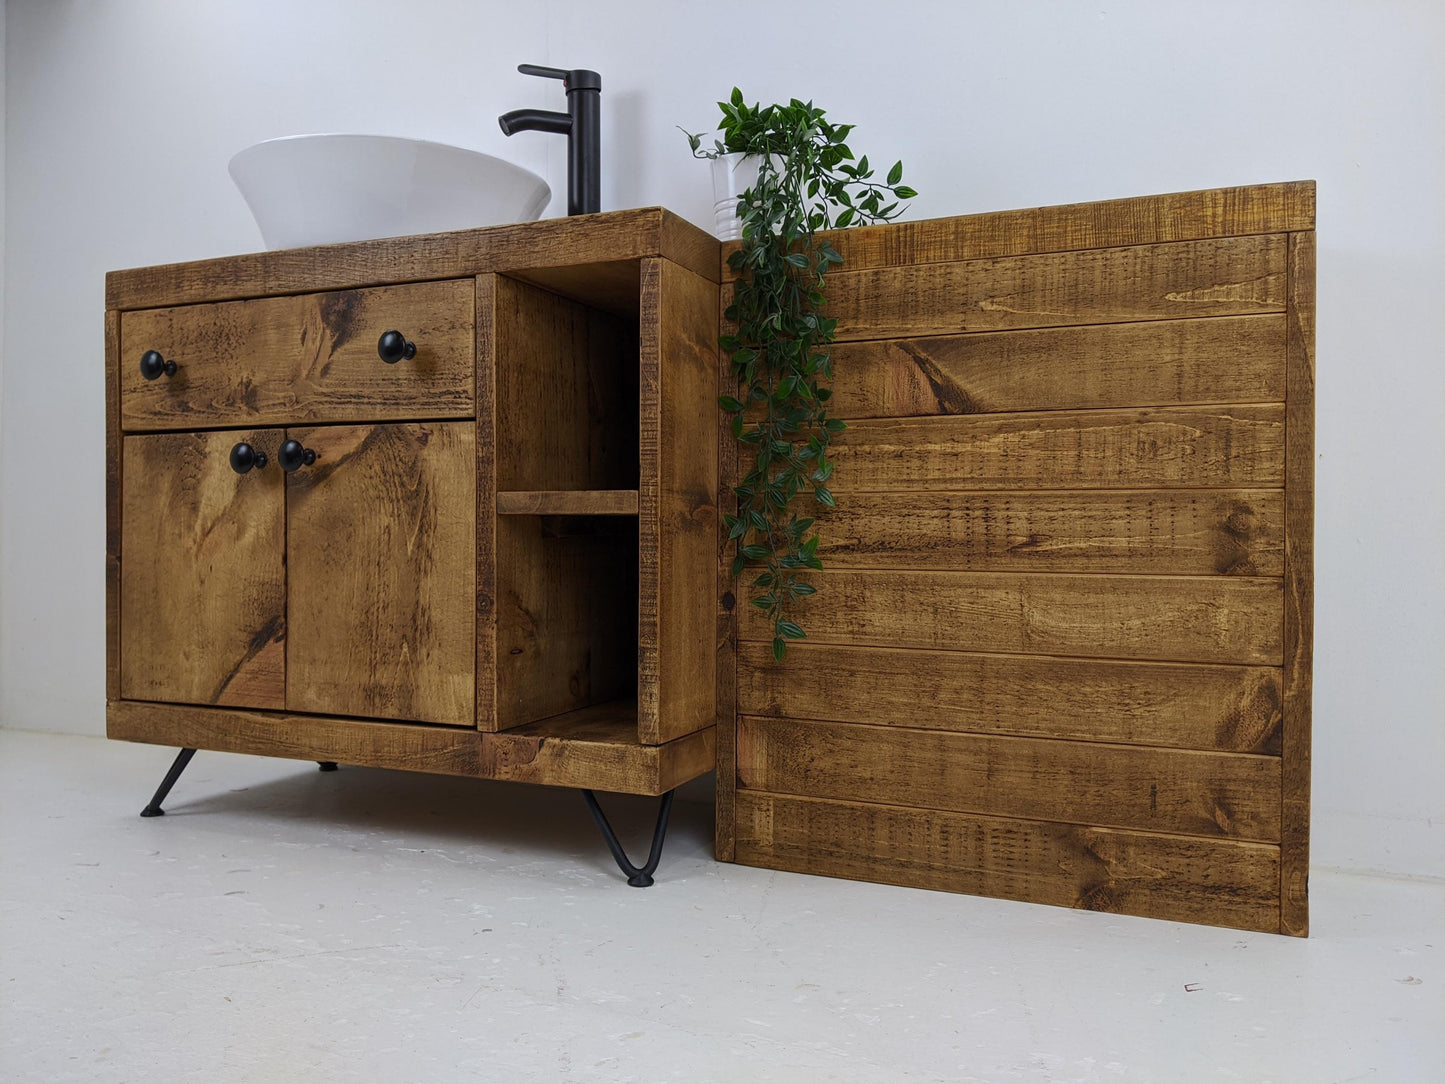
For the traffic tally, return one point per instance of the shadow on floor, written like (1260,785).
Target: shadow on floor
(438,810)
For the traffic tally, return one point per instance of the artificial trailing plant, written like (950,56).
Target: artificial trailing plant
(808,181)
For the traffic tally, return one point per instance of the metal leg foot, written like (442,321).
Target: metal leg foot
(326,765)
(637,878)
(177,767)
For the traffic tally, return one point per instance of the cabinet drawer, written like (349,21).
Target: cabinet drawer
(307,358)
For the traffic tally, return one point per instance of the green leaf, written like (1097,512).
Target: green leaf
(765,580)
(904,192)
(825,496)
(728,403)
(896,173)
(780,648)
(739,563)
(802,590)
(790,630)
(755,553)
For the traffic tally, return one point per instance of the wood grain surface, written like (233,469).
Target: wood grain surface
(310,358)
(1137,220)
(524,246)
(1232,359)
(566,616)
(677,503)
(1231,276)
(1221,882)
(381,554)
(1123,786)
(1299,595)
(1232,532)
(1169,618)
(203,595)
(1180,705)
(568,502)
(1068,449)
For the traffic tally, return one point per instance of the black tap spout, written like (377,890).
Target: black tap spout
(535,120)
(581,124)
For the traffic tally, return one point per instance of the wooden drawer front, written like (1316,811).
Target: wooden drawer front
(308,358)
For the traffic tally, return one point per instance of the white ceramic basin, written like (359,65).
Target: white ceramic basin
(320,189)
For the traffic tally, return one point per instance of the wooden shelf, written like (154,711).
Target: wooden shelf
(596,747)
(567,502)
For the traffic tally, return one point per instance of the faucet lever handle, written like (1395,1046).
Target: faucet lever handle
(543,71)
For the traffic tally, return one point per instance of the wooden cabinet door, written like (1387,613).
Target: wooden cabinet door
(203,583)
(381,555)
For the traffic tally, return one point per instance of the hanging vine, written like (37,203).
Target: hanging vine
(808,182)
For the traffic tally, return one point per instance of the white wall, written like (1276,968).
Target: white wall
(121,116)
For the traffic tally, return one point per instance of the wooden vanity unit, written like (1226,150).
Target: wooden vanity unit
(1061,650)
(491,553)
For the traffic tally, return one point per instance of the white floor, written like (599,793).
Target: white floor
(280,924)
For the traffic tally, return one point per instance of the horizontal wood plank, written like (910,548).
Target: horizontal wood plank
(1138,220)
(596,747)
(600,238)
(1215,881)
(1170,618)
(1089,783)
(1079,449)
(1229,277)
(568,502)
(1180,705)
(1190,532)
(1230,359)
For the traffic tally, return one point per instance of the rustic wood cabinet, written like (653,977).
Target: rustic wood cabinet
(1061,649)
(485,546)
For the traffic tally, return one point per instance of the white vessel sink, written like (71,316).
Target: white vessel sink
(320,189)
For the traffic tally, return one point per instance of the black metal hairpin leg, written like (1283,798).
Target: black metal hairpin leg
(637,878)
(177,767)
(326,765)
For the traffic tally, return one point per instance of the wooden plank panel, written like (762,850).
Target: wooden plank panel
(203,597)
(1230,359)
(291,360)
(486,487)
(677,503)
(1140,220)
(1298,586)
(596,747)
(381,560)
(1076,449)
(1181,705)
(112,505)
(568,502)
(1175,618)
(406,746)
(1237,532)
(727,626)
(1120,786)
(1214,881)
(614,235)
(566,393)
(1229,277)
(566,616)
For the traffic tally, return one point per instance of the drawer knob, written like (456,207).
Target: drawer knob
(293,456)
(393,347)
(153,366)
(244,457)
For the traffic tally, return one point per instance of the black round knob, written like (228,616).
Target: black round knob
(393,347)
(244,457)
(293,456)
(153,366)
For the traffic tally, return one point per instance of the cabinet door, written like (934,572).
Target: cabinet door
(203,583)
(381,554)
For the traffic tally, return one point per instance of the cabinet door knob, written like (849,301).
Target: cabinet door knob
(153,366)
(393,347)
(293,456)
(244,457)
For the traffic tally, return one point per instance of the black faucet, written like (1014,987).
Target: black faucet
(582,126)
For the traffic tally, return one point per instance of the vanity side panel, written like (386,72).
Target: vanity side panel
(1065,500)
(112,505)
(1298,584)
(677,503)
(485,383)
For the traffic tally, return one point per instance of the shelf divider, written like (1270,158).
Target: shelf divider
(567,502)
